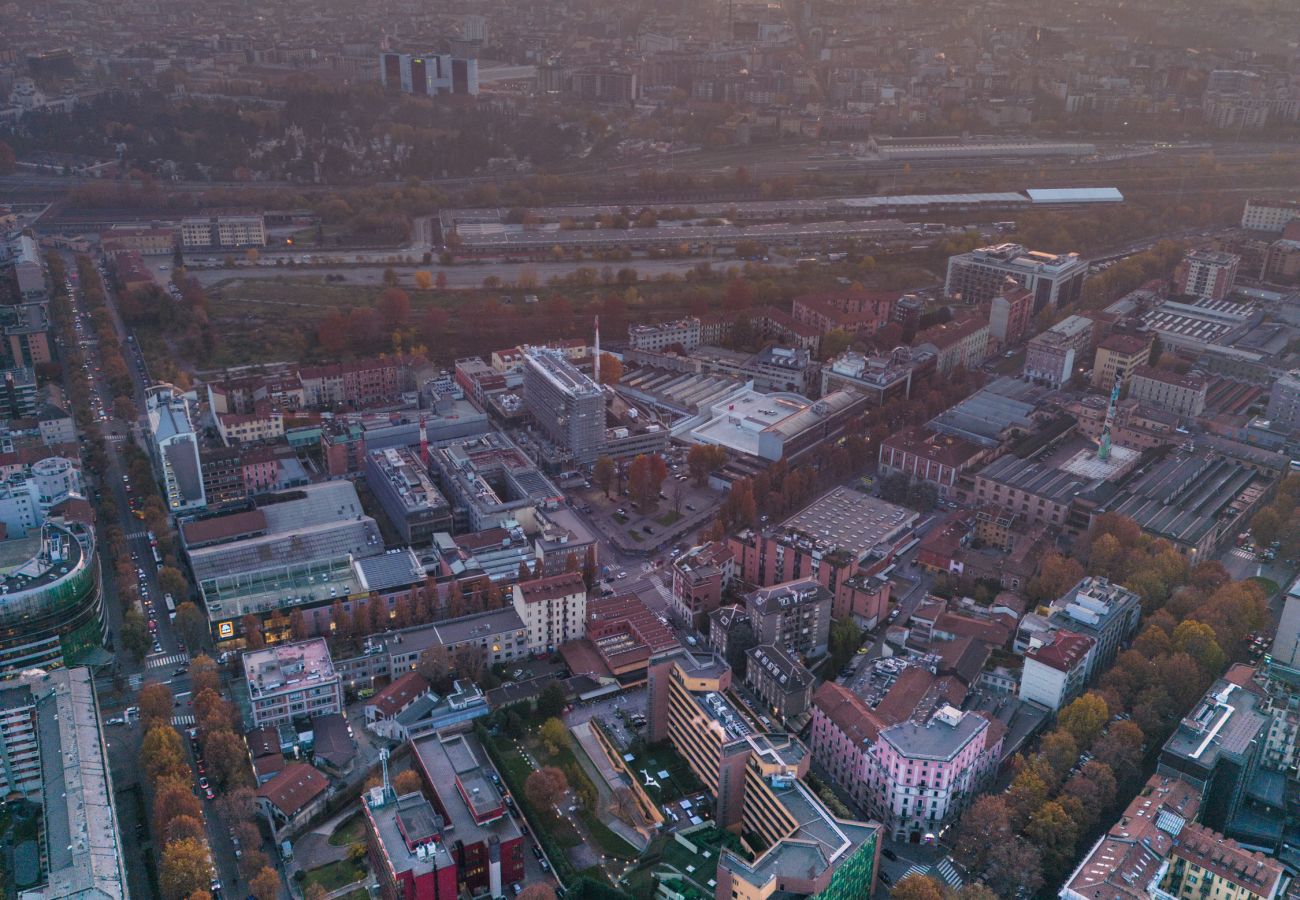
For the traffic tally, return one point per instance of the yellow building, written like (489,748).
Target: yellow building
(1204,865)
(1119,355)
(800,848)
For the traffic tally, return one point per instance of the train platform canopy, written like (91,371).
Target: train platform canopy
(1075,195)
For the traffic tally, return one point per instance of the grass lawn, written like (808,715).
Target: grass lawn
(606,838)
(335,875)
(679,782)
(669,518)
(350,831)
(635,535)
(358,894)
(1271,587)
(622,520)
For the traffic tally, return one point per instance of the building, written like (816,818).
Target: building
(794,615)
(700,575)
(53,753)
(921,775)
(27,333)
(1118,355)
(1284,402)
(1281,264)
(147,241)
(18,397)
(394,699)
(1052,355)
(292,798)
(843,730)
(409,497)
(860,313)
(1271,215)
(429,74)
(841,536)
(930,457)
(51,600)
(175,448)
(682,333)
(489,482)
(356,384)
(26,499)
(223,477)
(755,780)
(1207,274)
(1056,668)
(569,406)
(222,232)
(1010,313)
(1130,860)
(1183,395)
(553,609)
(976,277)
(498,633)
(1218,748)
(1205,864)
(291,681)
(454,837)
(779,680)
(28,267)
(302,552)
(961,343)
(779,425)
(1107,613)
(880,377)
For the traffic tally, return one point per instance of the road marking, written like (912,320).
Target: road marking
(157,662)
(186,719)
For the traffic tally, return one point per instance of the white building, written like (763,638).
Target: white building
(52,750)
(1269,215)
(291,681)
(175,448)
(683,332)
(1056,668)
(553,609)
(26,500)
(223,232)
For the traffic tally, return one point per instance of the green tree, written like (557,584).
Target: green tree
(551,702)
(1055,832)
(545,788)
(134,634)
(554,734)
(191,625)
(1084,718)
(917,887)
(603,473)
(1266,526)
(1198,641)
(844,641)
(184,869)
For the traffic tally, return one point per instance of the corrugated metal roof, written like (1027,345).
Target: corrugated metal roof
(1075,195)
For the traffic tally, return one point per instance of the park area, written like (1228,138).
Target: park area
(661,771)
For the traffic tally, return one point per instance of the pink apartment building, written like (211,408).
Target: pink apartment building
(922,775)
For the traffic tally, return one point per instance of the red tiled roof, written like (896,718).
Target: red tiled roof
(1064,653)
(400,694)
(848,713)
(552,587)
(294,789)
(204,530)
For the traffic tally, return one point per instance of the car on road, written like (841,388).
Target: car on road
(516,889)
(181,670)
(622,575)
(888,854)
(157,647)
(545,866)
(116,720)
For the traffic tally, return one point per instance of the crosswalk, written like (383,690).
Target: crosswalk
(136,535)
(183,720)
(1242,553)
(175,659)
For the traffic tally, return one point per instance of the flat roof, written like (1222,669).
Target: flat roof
(1075,195)
(851,521)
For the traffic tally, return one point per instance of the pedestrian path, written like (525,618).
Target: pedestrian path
(183,719)
(175,659)
(1242,553)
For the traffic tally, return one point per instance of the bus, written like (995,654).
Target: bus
(170,601)
(157,557)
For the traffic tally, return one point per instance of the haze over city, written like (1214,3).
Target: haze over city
(808,450)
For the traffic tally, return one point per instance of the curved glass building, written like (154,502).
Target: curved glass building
(51,599)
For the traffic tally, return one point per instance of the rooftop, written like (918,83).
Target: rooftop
(285,665)
(780,666)
(295,788)
(941,738)
(562,374)
(466,797)
(849,521)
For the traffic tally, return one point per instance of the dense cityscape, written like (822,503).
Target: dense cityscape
(737,451)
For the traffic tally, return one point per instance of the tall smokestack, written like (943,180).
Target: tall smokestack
(597,349)
(424,443)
